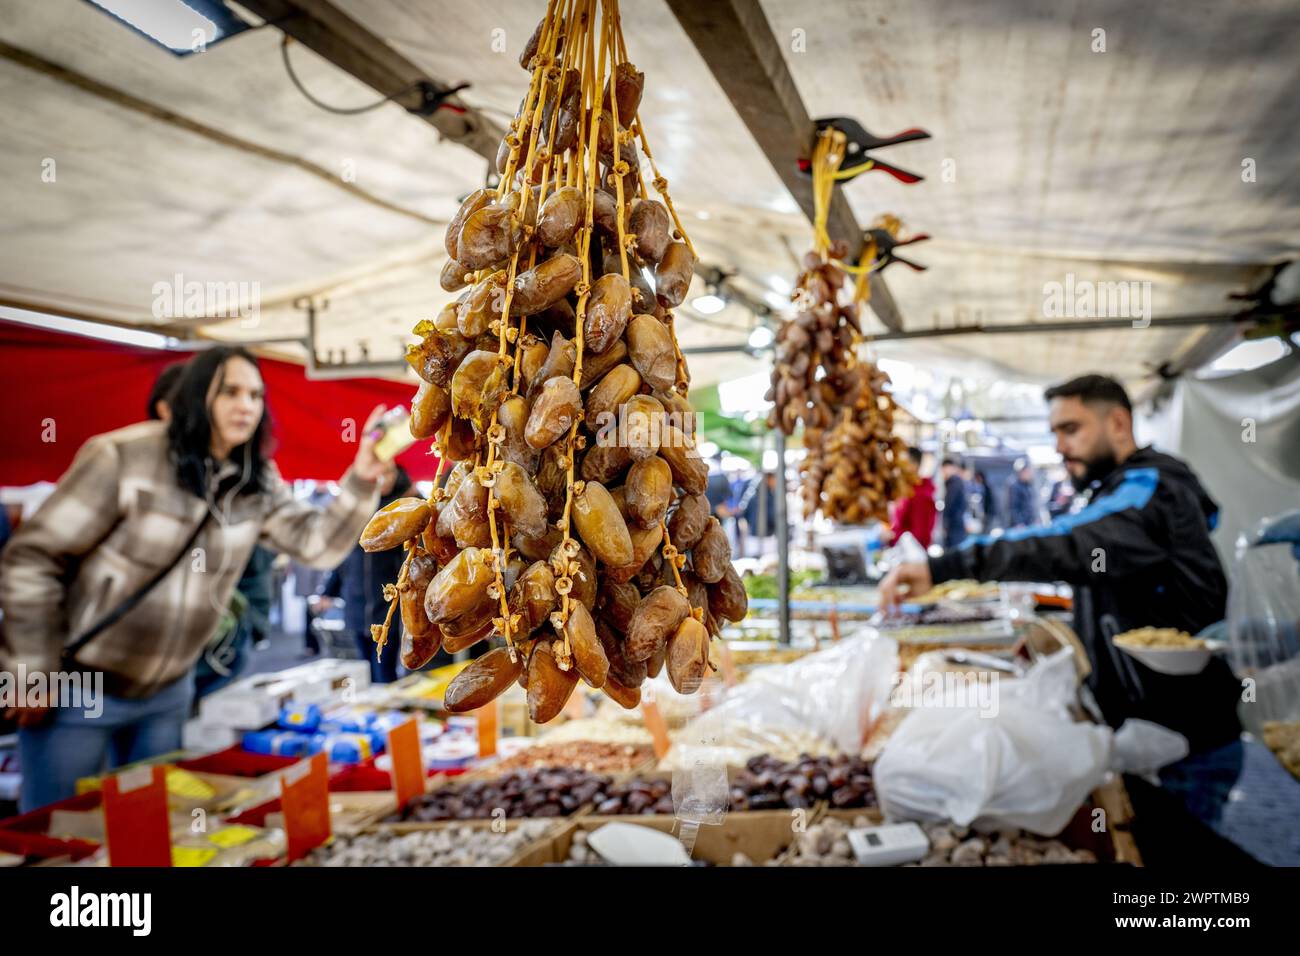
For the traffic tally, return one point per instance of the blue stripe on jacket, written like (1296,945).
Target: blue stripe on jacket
(1134,491)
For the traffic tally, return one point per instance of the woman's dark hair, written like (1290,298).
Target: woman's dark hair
(190,434)
(163,387)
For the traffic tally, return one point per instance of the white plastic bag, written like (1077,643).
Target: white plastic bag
(1142,747)
(835,694)
(1025,764)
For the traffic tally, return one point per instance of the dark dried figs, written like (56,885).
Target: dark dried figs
(459,587)
(588,656)
(653,227)
(482,681)
(560,216)
(557,406)
(608,309)
(548,686)
(711,555)
(522,502)
(619,384)
(429,410)
(395,523)
(650,347)
(656,617)
(688,656)
(600,525)
(649,491)
(673,274)
(533,597)
(545,284)
(727,597)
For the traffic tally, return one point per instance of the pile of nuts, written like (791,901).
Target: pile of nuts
(445,846)
(574,525)
(582,754)
(767,783)
(827,844)
(548,792)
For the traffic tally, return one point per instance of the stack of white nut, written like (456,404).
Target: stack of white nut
(443,846)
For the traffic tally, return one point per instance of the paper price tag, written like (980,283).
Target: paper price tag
(408,764)
(487,729)
(135,818)
(654,722)
(304,797)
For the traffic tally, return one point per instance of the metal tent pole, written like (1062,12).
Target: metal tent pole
(782,543)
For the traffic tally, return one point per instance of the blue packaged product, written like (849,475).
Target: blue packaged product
(303,717)
(346,747)
(277,743)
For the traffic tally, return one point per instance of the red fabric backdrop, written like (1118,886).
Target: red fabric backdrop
(88,386)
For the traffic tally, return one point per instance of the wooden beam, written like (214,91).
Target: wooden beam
(737,43)
(335,36)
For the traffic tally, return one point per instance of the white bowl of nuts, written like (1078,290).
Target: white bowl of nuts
(1167,650)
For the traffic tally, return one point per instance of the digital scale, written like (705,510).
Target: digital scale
(889,845)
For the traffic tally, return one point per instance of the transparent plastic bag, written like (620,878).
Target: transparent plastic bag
(1026,764)
(826,701)
(1264,620)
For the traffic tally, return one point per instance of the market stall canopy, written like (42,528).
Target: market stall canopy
(1160,150)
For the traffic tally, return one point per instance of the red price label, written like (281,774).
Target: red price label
(304,797)
(135,818)
(408,764)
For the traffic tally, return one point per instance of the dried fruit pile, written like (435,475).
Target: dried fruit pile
(556,384)
(855,463)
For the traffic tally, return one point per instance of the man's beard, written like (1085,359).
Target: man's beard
(1095,470)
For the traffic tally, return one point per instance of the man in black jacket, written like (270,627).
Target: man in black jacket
(1138,555)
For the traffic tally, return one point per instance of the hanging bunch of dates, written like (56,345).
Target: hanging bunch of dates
(573,528)
(855,464)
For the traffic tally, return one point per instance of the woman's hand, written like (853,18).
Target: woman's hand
(367,465)
(914,578)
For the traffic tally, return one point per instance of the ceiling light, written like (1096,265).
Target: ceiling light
(181,26)
(708,304)
(760,338)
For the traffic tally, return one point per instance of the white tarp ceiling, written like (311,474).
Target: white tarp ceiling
(1116,165)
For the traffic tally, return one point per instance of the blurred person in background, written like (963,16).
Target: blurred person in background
(988,503)
(127,568)
(917,512)
(1061,498)
(359,581)
(1022,498)
(956,502)
(159,407)
(757,505)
